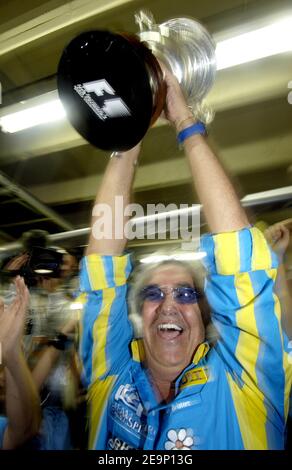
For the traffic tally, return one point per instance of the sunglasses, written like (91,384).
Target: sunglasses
(181,294)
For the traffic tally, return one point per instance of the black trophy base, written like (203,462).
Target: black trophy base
(103,83)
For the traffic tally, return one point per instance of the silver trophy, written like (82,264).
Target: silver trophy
(188,50)
(112,85)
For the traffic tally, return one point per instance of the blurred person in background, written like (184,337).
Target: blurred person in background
(171,390)
(50,334)
(70,272)
(22,405)
(56,374)
(279,238)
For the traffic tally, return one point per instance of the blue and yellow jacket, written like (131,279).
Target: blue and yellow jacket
(234,395)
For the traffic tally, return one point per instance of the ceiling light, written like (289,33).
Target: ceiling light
(76,306)
(154,259)
(270,40)
(32,116)
(177,256)
(193,256)
(43,271)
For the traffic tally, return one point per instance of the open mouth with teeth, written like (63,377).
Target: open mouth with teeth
(169,331)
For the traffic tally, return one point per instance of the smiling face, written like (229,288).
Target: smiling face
(171,331)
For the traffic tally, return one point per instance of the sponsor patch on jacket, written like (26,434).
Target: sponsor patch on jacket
(196,400)
(129,421)
(129,396)
(196,376)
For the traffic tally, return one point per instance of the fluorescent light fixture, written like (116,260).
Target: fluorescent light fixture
(76,306)
(177,256)
(154,259)
(194,209)
(270,40)
(43,271)
(195,256)
(33,116)
(60,250)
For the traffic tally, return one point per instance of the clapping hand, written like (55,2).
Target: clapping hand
(12,319)
(278,236)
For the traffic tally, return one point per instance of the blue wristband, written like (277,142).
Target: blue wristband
(198,128)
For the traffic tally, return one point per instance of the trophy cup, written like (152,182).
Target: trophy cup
(111,84)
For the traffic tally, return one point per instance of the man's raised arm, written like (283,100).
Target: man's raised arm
(220,202)
(117,181)
(105,328)
(240,291)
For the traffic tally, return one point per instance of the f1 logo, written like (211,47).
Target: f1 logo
(114,107)
(99,87)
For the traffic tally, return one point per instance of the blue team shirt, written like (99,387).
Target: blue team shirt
(3,425)
(234,395)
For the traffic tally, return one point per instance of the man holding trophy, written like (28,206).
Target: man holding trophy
(172,390)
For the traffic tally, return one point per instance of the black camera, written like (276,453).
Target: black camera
(44,262)
(39,259)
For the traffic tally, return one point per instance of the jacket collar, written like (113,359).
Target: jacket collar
(138,351)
